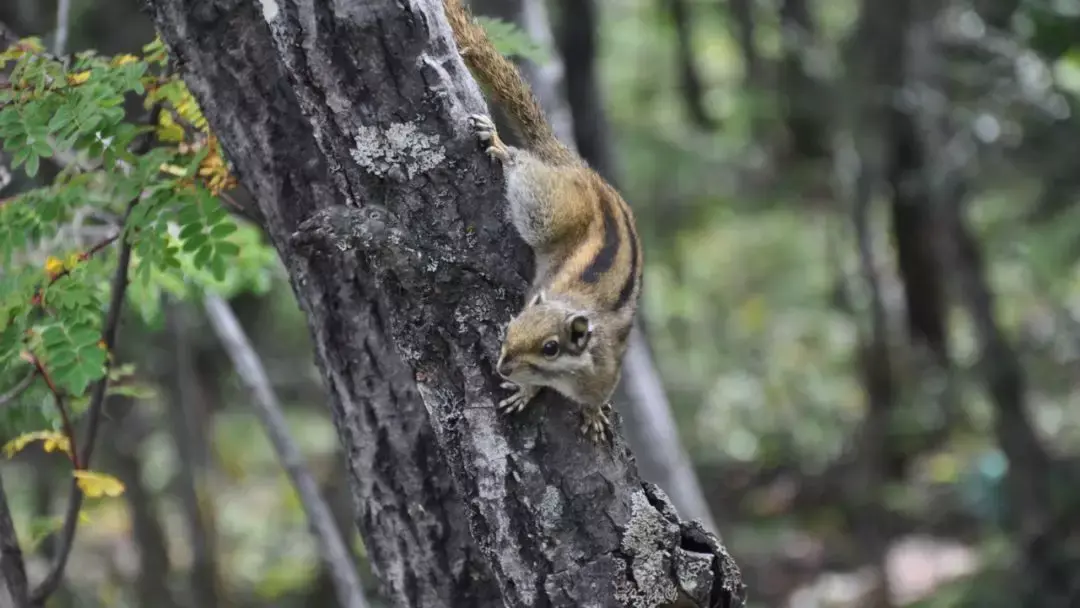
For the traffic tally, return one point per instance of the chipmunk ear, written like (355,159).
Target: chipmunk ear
(539,298)
(579,328)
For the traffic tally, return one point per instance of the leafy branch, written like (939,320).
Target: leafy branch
(154,187)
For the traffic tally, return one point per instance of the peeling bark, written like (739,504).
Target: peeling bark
(397,256)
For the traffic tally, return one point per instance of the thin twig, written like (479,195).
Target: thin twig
(86,255)
(97,401)
(250,369)
(63,14)
(18,389)
(69,430)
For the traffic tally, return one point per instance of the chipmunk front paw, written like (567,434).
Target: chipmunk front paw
(596,424)
(484,129)
(519,400)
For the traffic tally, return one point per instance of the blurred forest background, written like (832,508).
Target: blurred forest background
(862,295)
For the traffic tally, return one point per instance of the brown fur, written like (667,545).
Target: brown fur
(588,257)
(504,82)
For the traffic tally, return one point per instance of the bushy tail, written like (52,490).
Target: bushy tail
(503,82)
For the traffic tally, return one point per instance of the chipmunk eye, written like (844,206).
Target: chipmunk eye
(550,349)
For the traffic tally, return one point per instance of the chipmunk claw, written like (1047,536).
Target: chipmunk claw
(517,401)
(596,424)
(484,129)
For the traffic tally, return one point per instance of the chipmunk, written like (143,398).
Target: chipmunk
(572,334)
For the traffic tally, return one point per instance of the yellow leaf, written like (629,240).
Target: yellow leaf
(31,44)
(215,170)
(53,441)
(53,266)
(96,485)
(172,170)
(78,78)
(168,129)
(123,60)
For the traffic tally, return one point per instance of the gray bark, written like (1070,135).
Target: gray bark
(649,422)
(405,505)
(397,249)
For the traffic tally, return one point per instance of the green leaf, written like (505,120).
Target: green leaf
(32,164)
(226,248)
(511,40)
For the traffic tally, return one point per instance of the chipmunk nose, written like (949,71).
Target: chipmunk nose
(504,367)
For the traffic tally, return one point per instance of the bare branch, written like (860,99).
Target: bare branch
(97,402)
(63,15)
(250,369)
(13,394)
(12,566)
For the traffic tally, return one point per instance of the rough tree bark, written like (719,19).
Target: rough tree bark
(405,506)
(402,236)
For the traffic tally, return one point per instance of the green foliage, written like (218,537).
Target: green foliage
(512,41)
(155,186)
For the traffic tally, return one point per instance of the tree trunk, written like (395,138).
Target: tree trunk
(397,254)
(800,92)
(188,421)
(152,586)
(579,23)
(693,89)
(405,505)
(742,12)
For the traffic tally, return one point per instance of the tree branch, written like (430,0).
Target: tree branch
(13,586)
(69,430)
(249,368)
(19,388)
(97,401)
(63,15)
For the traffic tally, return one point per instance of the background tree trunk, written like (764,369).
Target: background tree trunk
(801,95)
(559,521)
(690,82)
(650,425)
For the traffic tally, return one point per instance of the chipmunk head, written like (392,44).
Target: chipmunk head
(547,344)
